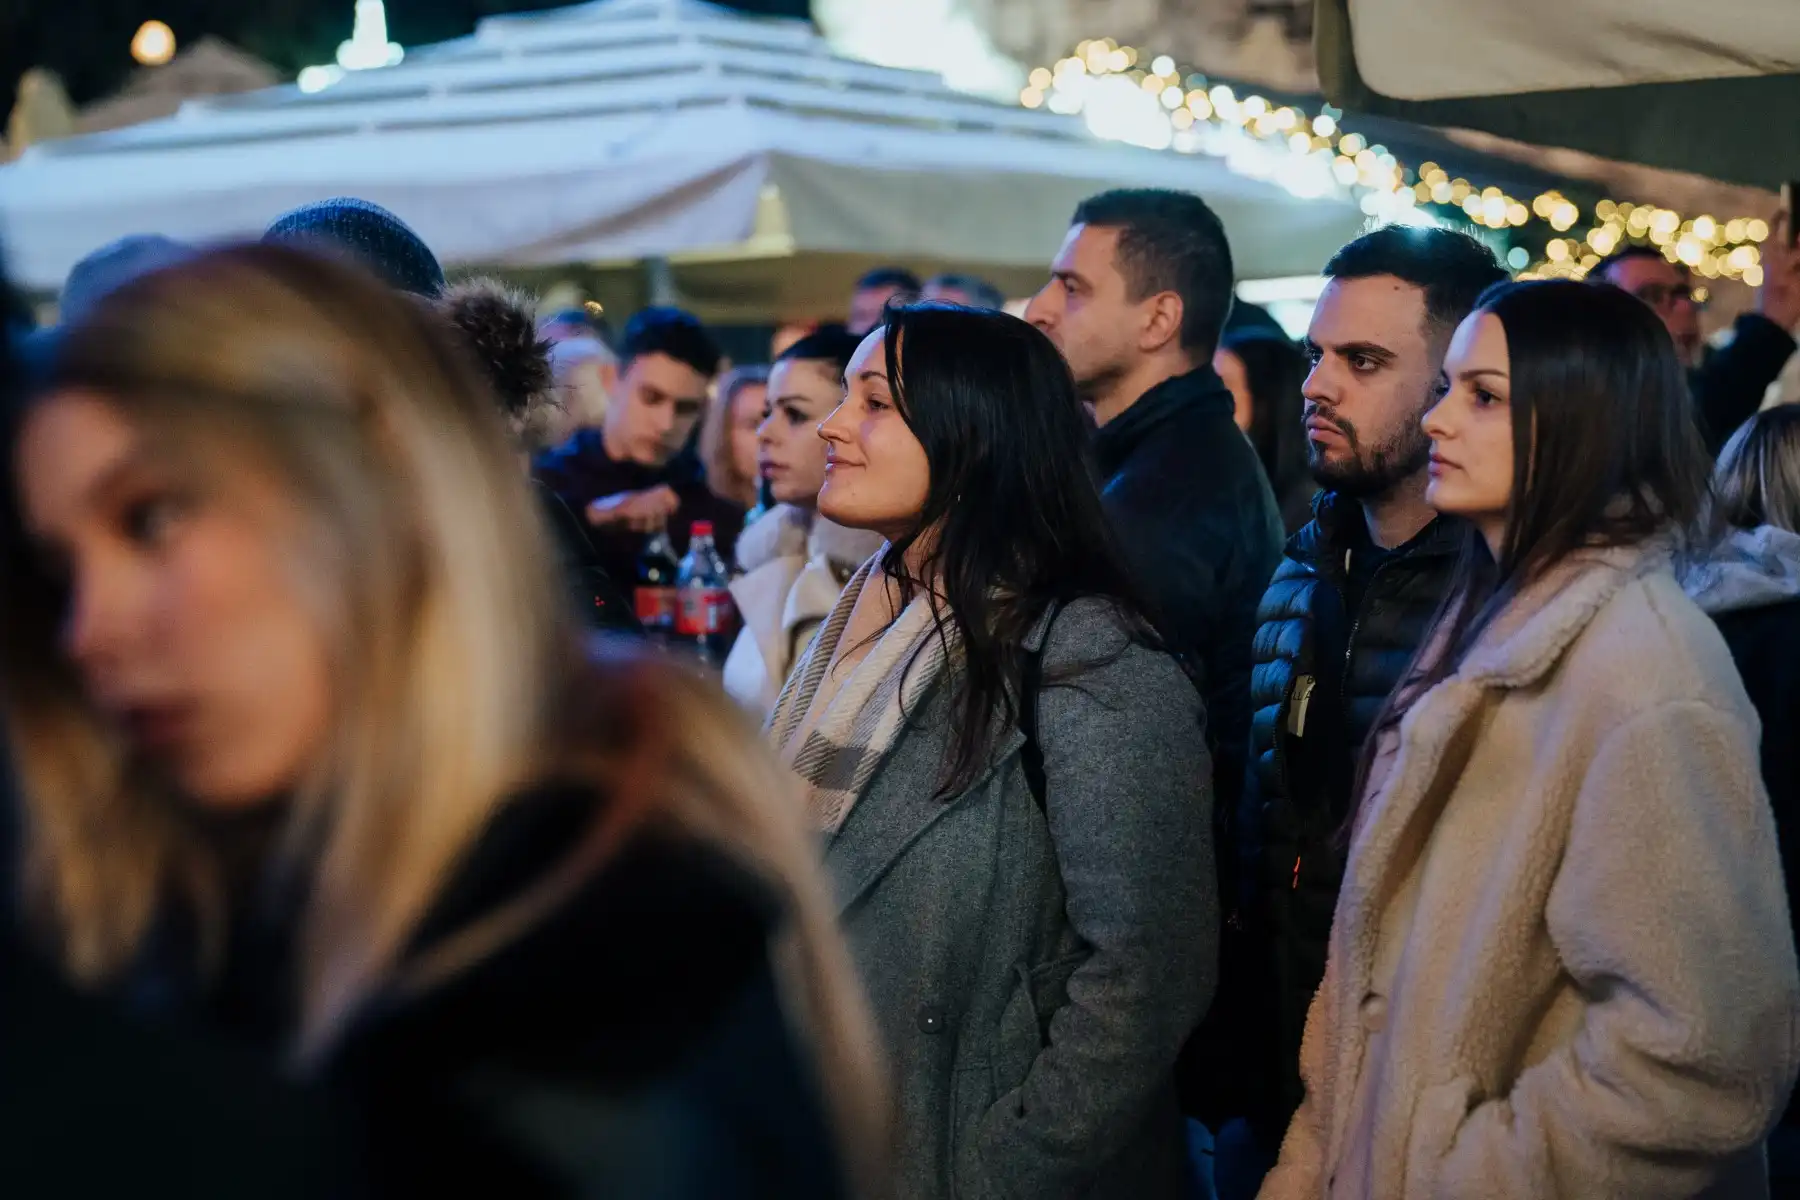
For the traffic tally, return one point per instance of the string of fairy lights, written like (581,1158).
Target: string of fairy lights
(1155,104)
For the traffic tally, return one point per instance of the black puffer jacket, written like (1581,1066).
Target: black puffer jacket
(1321,674)
(1193,513)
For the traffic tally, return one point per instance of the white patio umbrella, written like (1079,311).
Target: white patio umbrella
(1712,88)
(631,129)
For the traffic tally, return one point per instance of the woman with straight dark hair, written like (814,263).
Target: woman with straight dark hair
(1010,773)
(1561,963)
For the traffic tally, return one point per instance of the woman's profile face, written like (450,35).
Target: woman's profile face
(790,454)
(876,474)
(1471,428)
(181,619)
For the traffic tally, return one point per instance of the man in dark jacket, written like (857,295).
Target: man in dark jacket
(1352,600)
(1728,382)
(1137,298)
(635,474)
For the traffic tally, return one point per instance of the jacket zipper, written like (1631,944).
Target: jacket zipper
(1344,681)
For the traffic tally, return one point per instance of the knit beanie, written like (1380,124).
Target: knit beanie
(370,235)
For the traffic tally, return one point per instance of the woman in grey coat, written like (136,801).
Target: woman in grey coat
(1010,775)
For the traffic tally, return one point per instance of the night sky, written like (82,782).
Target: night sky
(88,42)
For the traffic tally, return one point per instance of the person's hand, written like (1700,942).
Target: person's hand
(1779,297)
(641,512)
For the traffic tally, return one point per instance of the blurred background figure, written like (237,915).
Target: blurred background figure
(575,324)
(586,372)
(1748,581)
(311,761)
(498,328)
(637,475)
(1728,382)
(728,435)
(1007,769)
(875,291)
(1264,373)
(970,291)
(795,562)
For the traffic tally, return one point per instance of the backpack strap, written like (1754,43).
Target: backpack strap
(1031,681)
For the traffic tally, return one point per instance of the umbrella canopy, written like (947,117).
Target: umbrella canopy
(630,129)
(1708,88)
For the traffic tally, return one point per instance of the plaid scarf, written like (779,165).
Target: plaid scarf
(839,755)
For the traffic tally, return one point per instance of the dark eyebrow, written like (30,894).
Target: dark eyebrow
(1477,372)
(1372,350)
(866,375)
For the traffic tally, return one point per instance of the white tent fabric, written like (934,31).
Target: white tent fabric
(1414,51)
(626,129)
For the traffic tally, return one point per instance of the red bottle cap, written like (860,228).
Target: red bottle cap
(702,529)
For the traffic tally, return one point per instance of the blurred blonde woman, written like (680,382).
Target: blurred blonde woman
(728,434)
(309,758)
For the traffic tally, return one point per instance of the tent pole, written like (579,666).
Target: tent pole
(659,281)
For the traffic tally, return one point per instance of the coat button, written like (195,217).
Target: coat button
(931,1019)
(1374,1012)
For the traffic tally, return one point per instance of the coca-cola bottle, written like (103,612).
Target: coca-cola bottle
(705,616)
(655,595)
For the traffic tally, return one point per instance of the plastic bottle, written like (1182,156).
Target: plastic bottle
(655,597)
(705,616)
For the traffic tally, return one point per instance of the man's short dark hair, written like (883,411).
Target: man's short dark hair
(672,332)
(1170,242)
(1450,267)
(1600,273)
(894,277)
(980,292)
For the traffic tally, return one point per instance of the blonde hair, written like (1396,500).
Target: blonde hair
(1757,481)
(455,673)
(723,478)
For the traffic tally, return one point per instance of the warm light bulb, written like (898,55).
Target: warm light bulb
(153,44)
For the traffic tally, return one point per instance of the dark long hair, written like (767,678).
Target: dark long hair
(1012,514)
(1605,453)
(1276,370)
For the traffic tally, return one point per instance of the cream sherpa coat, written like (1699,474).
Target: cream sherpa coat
(795,564)
(1568,871)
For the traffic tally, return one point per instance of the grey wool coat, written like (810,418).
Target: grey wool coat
(1034,973)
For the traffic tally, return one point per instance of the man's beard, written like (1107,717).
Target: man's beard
(1372,471)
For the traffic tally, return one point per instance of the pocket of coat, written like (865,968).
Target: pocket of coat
(1038,992)
(1438,1114)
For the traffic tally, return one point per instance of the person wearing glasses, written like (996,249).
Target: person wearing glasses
(1728,383)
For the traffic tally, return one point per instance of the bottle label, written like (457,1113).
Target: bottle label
(656,607)
(704,611)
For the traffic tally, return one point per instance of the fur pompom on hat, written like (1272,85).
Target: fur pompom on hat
(498,325)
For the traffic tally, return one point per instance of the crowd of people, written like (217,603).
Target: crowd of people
(1156,758)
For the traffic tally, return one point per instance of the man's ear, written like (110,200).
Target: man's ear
(1162,322)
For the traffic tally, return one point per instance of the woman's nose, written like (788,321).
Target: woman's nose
(830,429)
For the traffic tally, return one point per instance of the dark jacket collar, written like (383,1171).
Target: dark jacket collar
(1338,525)
(1175,397)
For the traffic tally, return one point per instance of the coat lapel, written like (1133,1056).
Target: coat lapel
(898,807)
